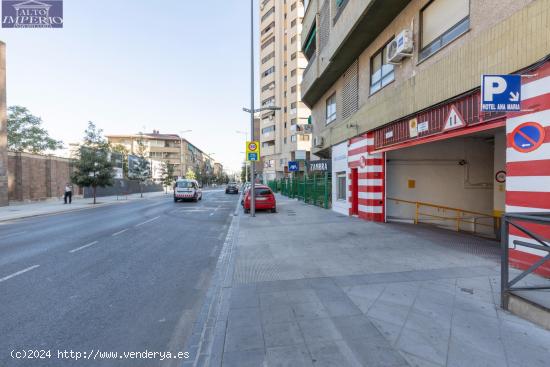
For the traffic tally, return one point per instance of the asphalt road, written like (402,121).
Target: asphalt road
(121,278)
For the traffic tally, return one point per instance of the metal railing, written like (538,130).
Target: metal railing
(465,220)
(314,189)
(519,221)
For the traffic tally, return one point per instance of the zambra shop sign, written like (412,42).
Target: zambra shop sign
(322,165)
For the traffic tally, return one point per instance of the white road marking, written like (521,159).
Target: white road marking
(12,235)
(83,247)
(120,232)
(18,273)
(147,221)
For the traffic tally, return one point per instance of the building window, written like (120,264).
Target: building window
(293,73)
(310,46)
(268,57)
(341,186)
(293,89)
(293,39)
(293,56)
(268,42)
(331,109)
(293,23)
(268,28)
(303,137)
(269,71)
(293,138)
(267,130)
(441,22)
(268,13)
(293,6)
(381,73)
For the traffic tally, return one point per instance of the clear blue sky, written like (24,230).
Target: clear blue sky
(169,65)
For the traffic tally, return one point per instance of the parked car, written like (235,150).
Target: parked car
(232,188)
(187,190)
(264,199)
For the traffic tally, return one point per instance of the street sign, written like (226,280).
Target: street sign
(322,165)
(527,137)
(454,120)
(252,150)
(293,166)
(500,93)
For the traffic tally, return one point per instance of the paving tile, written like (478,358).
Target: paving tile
(270,299)
(323,284)
(282,334)
(431,323)
(311,310)
(243,298)
(468,354)
(244,337)
(243,316)
(376,355)
(358,327)
(390,331)
(247,358)
(415,361)
(391,312)
(290,356)
(342,307)
(400,293)
(330,294)
(277,314)
(426,345)
(475,305)
(331,354)
(302,296)
(318,330)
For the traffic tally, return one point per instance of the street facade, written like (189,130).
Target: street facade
(387,206)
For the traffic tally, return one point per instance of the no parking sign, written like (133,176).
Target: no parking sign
(527,137)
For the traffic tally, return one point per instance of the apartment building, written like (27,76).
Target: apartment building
(394,88)
(167,148)
(285,135)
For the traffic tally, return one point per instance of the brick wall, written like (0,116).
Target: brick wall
(3,137)
(37,177)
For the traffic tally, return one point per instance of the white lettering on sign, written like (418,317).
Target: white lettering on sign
(389,134)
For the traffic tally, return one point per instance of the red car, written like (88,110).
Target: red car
(264,199)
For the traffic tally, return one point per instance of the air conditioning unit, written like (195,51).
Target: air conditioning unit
(318,142)
(400,47)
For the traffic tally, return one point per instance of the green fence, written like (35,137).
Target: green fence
(314,189)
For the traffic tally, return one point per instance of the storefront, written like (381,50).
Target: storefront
(457,167)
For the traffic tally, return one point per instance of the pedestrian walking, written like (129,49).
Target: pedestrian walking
(68,193)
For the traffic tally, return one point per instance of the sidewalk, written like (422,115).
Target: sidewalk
(308,287)
(54,206)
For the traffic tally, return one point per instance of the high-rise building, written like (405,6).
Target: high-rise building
(284,134)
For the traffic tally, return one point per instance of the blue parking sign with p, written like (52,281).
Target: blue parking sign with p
(293,166)
(500,93)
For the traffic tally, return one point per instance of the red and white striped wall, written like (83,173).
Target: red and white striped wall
(366,179)
(528,174)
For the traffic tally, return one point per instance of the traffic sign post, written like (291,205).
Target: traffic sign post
(253,151)
(500,93)
(527,137)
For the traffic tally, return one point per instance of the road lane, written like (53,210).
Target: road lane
(135,291)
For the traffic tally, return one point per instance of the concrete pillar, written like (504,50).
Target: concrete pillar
(3,130)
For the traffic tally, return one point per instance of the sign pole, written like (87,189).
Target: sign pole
(252,163)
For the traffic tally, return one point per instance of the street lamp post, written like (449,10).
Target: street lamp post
(253,111)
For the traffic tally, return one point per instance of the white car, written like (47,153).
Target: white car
(187,190)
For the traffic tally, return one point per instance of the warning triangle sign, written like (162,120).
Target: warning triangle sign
(454,120)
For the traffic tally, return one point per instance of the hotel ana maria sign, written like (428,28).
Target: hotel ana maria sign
(32,14)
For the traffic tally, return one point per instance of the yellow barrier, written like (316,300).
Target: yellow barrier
(460,215)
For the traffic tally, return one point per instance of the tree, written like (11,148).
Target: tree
(244,178)
(141,170)
(190,175)
(93,166)
(167,174)
(119,148)
(26,134)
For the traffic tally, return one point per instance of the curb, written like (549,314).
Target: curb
(206,342)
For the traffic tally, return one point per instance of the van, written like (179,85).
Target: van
(187,190)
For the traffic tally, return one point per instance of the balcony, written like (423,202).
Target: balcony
(266,151)
(356,26)
(270,136)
